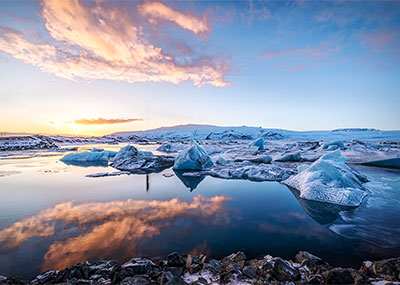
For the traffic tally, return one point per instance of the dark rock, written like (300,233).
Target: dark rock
(214,266)
(282,270)
(387,267)
(315,279)
(338,276)
(176,271)
(306,258)
(138,265)
(249,272)
(136,280)
(238,258)
(175,259)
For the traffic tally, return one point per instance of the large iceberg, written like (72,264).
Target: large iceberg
(329,180)
(193,158)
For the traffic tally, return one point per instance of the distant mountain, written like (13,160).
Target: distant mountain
(202,132)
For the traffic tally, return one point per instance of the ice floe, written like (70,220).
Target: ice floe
(329,180)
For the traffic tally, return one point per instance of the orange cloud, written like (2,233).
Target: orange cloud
(157,10)
(106,41)
(102,121)
(106,227)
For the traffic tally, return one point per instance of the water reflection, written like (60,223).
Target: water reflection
(100,230)
(190,182)
(86,163)
(323,213)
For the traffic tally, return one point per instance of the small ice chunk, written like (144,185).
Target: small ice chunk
(333,145)
(258,143)
(86,156)
(293,157)
(193,158)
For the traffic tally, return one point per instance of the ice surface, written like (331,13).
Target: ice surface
(329,180)
(193,158)
(258,143)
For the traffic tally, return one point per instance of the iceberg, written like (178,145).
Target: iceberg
(88,158)
(126,152)
(329,180)
(332,145)
(193,158)
(292,157)
(258,143)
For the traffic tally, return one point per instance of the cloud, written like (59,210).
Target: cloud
(308,54)
(106,228)
(159,11)
(106,40)
(102,121)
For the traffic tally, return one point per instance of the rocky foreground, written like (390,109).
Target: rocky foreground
(233,269)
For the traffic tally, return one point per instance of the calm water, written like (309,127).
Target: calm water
(52,216)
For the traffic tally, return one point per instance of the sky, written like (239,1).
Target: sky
(98,67)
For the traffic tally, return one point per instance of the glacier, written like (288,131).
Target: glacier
(329,180)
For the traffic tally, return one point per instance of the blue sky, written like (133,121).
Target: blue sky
(301,65)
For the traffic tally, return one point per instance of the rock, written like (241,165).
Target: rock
(315,279)
(338,276)
(249,272)
(385,267)
(306,258)
(136,280)
(213,266)
(282,270)
(175,259)
(193,158)
(238,258)
(139,265)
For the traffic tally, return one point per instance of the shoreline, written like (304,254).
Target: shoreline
(305,268)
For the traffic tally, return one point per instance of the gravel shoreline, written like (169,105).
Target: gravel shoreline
(305,268)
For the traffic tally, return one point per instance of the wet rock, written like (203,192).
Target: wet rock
(214,266)
(387,267)
(138,265)
(282,270)
(315,279)
(338,276)
(136,280)
(249,272)
(239,258)
(175,259)
(306,258)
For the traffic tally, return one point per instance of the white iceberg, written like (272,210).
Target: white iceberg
(193,158)
(329,180)
(258,143)
(88,158)
(126,152)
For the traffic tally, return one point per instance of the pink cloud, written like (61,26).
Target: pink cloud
(159,11)
(102,121)
(307,55)
(380,38)
(104,41)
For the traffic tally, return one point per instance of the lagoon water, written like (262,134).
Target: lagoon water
(52,216)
